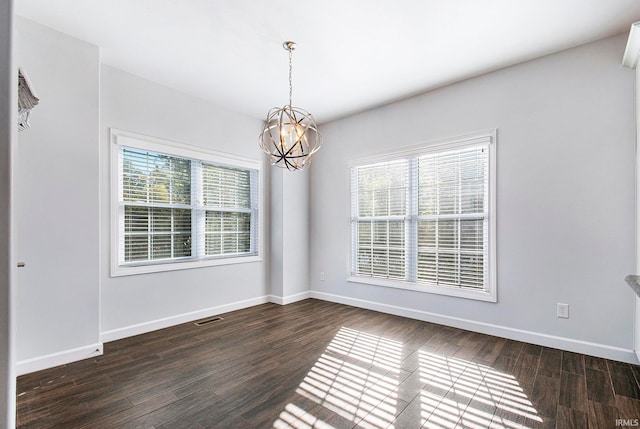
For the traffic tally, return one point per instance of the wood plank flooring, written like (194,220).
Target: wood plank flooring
(318,364)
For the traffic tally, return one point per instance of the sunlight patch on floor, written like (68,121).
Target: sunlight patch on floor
(295,417)
(460,392)
(356,380)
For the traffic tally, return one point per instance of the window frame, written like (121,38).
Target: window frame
(489,293)
(120,138)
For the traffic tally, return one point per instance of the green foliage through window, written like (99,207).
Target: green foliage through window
(174,208)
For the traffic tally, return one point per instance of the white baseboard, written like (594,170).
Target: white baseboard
(143,328)
(85,352)
(289,299)
(60,358)
(569,344)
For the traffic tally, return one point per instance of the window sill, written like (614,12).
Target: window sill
(479,295)
(129,270)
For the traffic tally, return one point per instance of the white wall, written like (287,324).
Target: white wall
(67,301)
(57,200)
(295,237)
(289,242)
(134,304)
(276,236)
(565,198)
(8,89)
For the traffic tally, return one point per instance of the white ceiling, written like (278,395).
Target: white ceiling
(351,55)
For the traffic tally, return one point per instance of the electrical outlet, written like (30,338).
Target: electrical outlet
(321,276)
(563,311)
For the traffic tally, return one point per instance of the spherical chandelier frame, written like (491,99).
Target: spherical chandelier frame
(290,135)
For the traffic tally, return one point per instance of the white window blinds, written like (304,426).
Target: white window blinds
(452,221)
(229,203)
(381,209)
(424,217)
(175,208)
(156,197)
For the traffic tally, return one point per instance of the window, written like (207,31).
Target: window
(178,207)
(424,219)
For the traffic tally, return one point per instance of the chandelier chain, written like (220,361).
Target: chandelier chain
(290,80)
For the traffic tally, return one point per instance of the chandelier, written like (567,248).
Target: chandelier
(290,135)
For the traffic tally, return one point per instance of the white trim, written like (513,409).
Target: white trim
(630,59)
(632,51)
(636,183)
(636,335)
(60,358)
(118,138)
(578,346)
(155,144)
(481,295)
(493,225)
(569,344)
(289,299)
(8,219)
(124,270)
(488,136)
(154,325)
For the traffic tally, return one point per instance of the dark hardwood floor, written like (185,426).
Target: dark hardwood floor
(319,364)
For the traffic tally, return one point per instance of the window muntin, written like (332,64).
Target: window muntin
(423,220)
(172,206)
